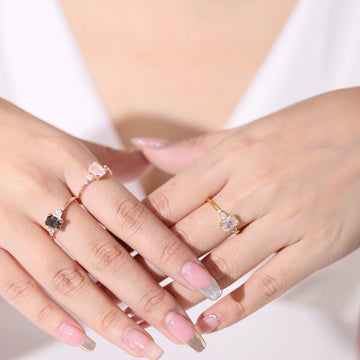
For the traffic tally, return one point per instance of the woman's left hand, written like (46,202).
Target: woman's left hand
(292,179)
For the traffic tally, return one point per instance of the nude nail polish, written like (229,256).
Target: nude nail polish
(73,335)
(208,323)
(153,143)
(198,277)
(183,329)
(143,344)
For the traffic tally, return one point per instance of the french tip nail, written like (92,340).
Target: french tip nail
(154,351)
(212,292)
(195,273)
(197,342)
(87,344)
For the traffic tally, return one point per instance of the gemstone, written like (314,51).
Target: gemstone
(97,170)
(230,224)
(53,221)
(58,213)
(89,177)
(223,216)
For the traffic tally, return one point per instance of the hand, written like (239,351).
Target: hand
(43,167)
(293,179)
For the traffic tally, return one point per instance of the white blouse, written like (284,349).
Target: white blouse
(318,50)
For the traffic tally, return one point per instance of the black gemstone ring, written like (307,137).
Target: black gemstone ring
(54,221)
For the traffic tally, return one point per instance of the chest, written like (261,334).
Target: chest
(176,67)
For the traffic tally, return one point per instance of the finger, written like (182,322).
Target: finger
(175,157)
(284,270)
(126,165)
(22,292)
(115,268)
(188,190)
(203,230)
(131,221)
(71,286)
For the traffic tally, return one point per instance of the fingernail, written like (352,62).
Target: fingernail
(197,276)
(72,335)
(208,323)
(182,328)
(143,344)
(153,143)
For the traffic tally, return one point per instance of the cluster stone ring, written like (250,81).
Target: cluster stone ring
(95,172)
(55,221)
(229,222)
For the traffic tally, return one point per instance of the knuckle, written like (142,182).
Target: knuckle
(152,300)
(268,285)
(130,215)
(169,251)
(159,204)
(107,258)
(108,320)
(47,314)
(21,290)
(243,143)
(70,281)
(60,143)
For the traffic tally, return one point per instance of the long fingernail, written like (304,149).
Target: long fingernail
(208,323)
(72,335)
(143,344)
(197,276)
(182,328)
(153,143)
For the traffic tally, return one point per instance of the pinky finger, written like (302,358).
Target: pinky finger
(22,292)
(288,267)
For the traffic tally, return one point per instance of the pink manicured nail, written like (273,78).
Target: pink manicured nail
(143,344)
(153,143)
(182,328)
(198,277)
(208,323)
(72,335)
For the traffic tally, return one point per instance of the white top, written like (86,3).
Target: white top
(318,50)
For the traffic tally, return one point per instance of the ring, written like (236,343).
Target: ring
(228,222)
(95,172)
(54,221)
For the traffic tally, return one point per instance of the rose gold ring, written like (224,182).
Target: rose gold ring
(54,221)
(95,172)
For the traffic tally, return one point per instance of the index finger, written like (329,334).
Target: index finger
(124,215)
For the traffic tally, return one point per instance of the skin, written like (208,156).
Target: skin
(293,178)
(44,167)
(173,69)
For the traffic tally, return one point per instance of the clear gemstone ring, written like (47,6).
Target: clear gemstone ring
(95,172)
(54,221)
(228,222)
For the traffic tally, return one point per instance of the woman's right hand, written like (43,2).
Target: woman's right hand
(42,168)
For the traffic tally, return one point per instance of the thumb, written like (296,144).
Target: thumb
(125,165)
(174,157)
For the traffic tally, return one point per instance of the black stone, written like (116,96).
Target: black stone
(53,221)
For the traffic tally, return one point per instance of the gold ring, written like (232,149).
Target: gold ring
(95,172)
(228,222)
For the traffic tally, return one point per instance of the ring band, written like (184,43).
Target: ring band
(54,221)
(228,222)
(95,172)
